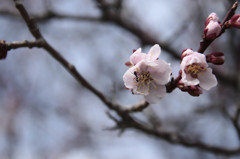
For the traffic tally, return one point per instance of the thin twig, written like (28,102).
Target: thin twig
(137,107)
(25,43)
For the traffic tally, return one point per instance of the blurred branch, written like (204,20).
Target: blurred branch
(25,43)
(235,121)
(126,121)
(137,107)
(145,37)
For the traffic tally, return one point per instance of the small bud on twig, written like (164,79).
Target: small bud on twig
(216,58)
(212,27)
(3,49)
(234,21)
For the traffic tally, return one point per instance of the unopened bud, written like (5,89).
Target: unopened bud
(194,90)
(128,64)
(216,58)
(234,21)
(134,50)
(3,49)
(212,27)
(212,17)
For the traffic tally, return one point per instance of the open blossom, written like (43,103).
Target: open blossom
(148,76)
(152,55)
(195,71)
(212,27)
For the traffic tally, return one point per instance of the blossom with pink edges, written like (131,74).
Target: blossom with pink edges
(195,70)
(148,76)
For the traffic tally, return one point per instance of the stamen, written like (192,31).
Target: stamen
(143,81)
(194,69)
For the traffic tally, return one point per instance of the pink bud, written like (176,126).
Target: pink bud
(216,58)
(212,17)
(128,64)
(192,90)
(212,27)
(195,90)
(234,21)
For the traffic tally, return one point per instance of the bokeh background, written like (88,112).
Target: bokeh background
(46,114)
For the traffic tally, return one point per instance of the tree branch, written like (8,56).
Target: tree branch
(126,118)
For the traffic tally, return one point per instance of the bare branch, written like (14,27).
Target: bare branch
(29,44)
(235,121)
(137,107)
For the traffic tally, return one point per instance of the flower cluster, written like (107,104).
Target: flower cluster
(149,76)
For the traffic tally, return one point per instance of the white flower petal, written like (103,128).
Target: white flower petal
(154,52)
(207,79)
(156,94)
(161,72)
(137,56)
(129,78)
(187,80)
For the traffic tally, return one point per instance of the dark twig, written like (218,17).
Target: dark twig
(136,108)
(235,121)
(28,44)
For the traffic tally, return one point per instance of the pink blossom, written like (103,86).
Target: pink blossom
(152,55)
(212,27)
(195,71)
(148,78)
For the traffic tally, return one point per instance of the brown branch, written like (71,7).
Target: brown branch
(28,44)
(235,121)
(173,138)
(127,119)
(137,107)
(67,65)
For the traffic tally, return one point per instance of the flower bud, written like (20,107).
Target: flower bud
(3,49)
(234,21)
(212,27)
(192,90)
(216,58)
(212,17)
(128,64)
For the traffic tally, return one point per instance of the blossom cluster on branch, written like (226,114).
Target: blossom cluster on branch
(150,76)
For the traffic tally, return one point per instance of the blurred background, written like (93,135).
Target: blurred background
(46,114)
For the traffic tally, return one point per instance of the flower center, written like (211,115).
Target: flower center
(194,69)
(143,81)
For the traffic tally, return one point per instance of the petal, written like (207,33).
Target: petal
(129,78)
(207,79)
(188,80)
(137,56)
(154,52)
(161,72)
(156,94)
